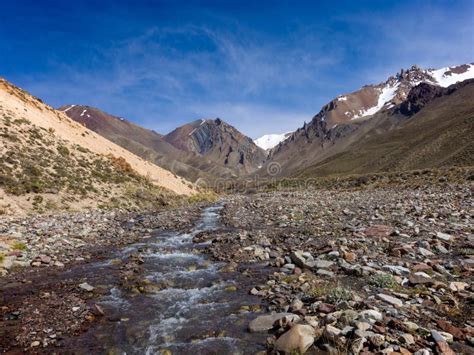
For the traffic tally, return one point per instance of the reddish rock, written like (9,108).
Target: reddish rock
(428,303)
(379,231)
(443,348)
(456,332)
(379,329)
(422,267)
(349,256)
(420,280)
(326,308)
(397,252)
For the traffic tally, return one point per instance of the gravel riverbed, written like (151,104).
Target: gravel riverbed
(386,270)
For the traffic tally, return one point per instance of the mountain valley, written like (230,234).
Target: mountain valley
(352,234)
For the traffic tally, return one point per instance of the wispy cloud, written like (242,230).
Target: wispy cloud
(260,82)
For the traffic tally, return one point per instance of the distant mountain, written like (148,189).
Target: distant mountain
(438,133)
(148,144)
(351,123)
(269,141)
(371,99)
(213,153)
(219,142)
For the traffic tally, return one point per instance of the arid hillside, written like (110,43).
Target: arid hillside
(431,128)
(45,152)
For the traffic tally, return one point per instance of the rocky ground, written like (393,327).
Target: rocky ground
(364,270)
(45,291)
(367,271)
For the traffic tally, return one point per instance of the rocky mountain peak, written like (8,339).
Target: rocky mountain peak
(371,99)
(220,142)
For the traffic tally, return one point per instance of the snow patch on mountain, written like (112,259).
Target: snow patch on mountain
(70,107)
(269,141)
(386,95)
(445,77)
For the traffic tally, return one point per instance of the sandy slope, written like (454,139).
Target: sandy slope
(24,105)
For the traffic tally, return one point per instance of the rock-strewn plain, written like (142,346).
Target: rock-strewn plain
(384,270)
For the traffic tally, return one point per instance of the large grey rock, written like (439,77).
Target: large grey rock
(390,299)
(377,340)
(331,332)
(425,252)
(86,286)
(7,262)
(443,236)
(357,345)
(265,322)
(302,259)
(396,269)
(323,264)
(408,339)
(324,272)
(371,314)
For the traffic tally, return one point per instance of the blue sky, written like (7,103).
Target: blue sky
(263,66)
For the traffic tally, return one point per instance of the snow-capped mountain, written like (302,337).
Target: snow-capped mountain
(371,99)
(409,121)
(269,141)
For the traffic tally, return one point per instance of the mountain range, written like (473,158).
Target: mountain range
(417,118)
(343,129)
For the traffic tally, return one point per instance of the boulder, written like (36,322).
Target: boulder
(299,338)
(86,286)
(408,339)
(443,236)
(302,259)
(420,278)
(265,322)
(323,264)
(379,231)
(357,345)
(377,340)
(390,299)
(457,286)
(371,314)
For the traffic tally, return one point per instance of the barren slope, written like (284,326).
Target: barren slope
(440,134)
(219,142)
(147,144)
(21,104)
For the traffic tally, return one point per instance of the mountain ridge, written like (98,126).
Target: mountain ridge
(326,151)
(219,141)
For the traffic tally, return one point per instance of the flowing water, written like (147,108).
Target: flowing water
(198,313)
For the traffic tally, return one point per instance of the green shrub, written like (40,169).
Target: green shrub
(383,280)
(63,150)
(19,246)
(338,294)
